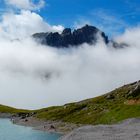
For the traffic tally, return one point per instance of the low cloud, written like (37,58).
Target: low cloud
(26,4)
(35,76)
(131,36)
(24,24)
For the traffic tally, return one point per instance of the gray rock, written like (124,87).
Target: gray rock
(126,130)
(87,34)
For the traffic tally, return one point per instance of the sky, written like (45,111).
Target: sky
(34,76)
(123,13)
(101,13)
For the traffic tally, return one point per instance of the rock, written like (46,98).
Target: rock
(87,34)
(117,45)
(26,120)
(110,96)
(52,127)
(24,115)
(126,130)
(135,91)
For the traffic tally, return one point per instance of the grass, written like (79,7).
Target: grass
(107,109)
(7,109)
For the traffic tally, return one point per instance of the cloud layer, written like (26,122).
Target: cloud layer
(35,76)
(26,4)
(24,24)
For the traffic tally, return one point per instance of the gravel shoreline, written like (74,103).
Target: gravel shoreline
(126,130)
(5,115)
(47,126)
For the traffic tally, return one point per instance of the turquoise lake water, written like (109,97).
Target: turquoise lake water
(9,131)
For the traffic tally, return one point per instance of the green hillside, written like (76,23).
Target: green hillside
(7,109)
(115,106)
(120,104)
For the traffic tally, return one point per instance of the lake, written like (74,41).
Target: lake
(9,131)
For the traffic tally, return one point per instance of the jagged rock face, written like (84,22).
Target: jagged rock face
(87,34)
(117,45)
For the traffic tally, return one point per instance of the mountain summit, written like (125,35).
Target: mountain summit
(87,34)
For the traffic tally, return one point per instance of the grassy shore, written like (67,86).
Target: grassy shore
(7,109)
(120,104)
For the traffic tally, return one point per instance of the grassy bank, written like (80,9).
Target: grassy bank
(7,109)
(120,104)
(113,107)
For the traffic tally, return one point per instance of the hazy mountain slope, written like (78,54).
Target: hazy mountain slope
(7,109)
(120,104)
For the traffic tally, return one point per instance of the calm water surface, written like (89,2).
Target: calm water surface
(8,131)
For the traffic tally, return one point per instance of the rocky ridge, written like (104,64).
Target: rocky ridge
(87,34)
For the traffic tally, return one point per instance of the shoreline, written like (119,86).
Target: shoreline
(59,127)
(46,126)
(127,130)
(5,115)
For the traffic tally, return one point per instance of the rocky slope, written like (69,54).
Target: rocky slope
(110,108)
(120,104)
(87,34)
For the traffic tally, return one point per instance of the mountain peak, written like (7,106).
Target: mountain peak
(86,34)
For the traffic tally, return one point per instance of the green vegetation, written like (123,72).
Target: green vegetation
(120,104)
(106,109)
(7,109)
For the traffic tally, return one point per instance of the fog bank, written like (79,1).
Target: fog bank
(35,76)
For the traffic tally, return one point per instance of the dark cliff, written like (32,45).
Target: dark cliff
(87,34)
